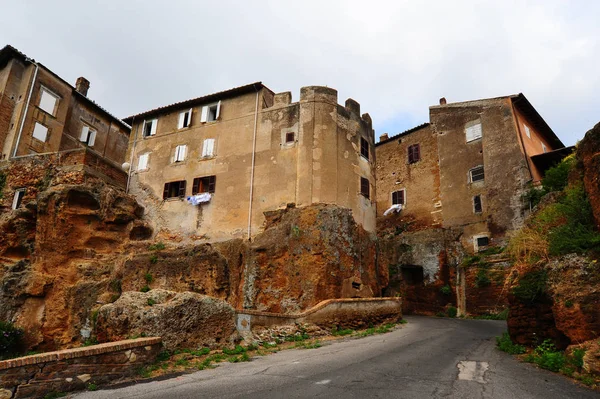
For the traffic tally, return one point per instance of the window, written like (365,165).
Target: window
(204,185)
(149,127)
(544,148)
(185,119)
(40,132)
(290,137)
(180,153)
(527,131)
(208,149)
(18,198)
(174,189)
(414,153)
(88,136)
(398,197)
(473,132)
(48,101)
(211,112)
(482,241)
(364,148)
(477,208)
(143,161)
(476,174)
(365,187)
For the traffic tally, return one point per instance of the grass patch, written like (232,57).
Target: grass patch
(92,387)
(505,344)
(493,316)
(145,288)
(235,351)
(341,332)
(151,302)
(159,246)
(153,259)
(446,290)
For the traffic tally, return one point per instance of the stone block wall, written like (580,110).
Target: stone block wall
(74,369)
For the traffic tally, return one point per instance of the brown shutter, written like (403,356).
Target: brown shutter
(166,191)
(196,186)
(417,154)
(182,188)
(212,182)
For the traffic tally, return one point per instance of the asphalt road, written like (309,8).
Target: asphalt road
(426,358)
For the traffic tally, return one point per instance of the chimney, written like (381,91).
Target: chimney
(383,137)
(443,101)
(82,85)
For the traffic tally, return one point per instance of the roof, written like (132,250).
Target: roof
(549,159)
(236,91)
(404,133)
(8,52)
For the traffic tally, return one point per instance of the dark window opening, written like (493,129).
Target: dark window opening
(477,208)
(174,189)
(290,137)
(212,113)
(414,153)
(204,185)
(477,174)
(483,242)
(186,119)
(398,197)
(147,129)
(18,198)
(364,148)
(365,187)
(356,285)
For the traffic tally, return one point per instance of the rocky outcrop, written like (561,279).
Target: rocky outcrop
(588,153)
(183,320)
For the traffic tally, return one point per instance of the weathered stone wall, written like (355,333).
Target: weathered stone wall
(588,154)
(74,369)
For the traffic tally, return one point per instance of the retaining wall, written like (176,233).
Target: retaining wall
(341,313)
(74,369)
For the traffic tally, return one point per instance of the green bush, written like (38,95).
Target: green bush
(452,311)
(531,286)
(547,357)
(446,290)
(505,344)
(533,196)
(557,177)
(145,289)
(482,279)
(11,340)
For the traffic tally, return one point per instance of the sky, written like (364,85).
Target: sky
(396,58)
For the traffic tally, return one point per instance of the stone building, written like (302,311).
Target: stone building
(208,168)
(42,115)
(466,169)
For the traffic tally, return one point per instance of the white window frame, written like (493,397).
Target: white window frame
(40,132)
(180,153)
(527,130)
(473,132)
(143,161)
(475,237)
(181,123)
(208,148)
(49,95)
(88,135)
(403,196)
(471,174)
(204,117)
(18,198)
(544,148)
(154,124)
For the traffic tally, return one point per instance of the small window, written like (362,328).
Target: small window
(208,149)
(477,208)
(473,132)
(40,132)
(290,137)
(211,112)
(204,185)
(414,153)
(143,161)
(174,189)
(149,127)
(18,198)
(185,119)
(48,101)
(476,174)
(365,187)
(180,153)
(398,197)
(527,131)
(483,242)
(544,148)
(364,148)
(88,136)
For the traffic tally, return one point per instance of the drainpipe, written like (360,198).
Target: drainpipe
(26,107)
(131,158)
(252,169)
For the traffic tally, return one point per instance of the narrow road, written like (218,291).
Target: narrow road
(426,358)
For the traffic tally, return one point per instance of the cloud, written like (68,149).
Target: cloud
(394,57)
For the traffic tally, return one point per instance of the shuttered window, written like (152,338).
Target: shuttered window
(476,174)
(398,197)
(185,119)
(365,187)
(48,101)
(364,148)
(208,149)
(174,189)
(204,185)
(180,153)
(143,161)
(149,127)
(473,132)
(88,136)
(40,132)
(414,153)
(211,112)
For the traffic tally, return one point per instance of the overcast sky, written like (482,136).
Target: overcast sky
(396,58)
